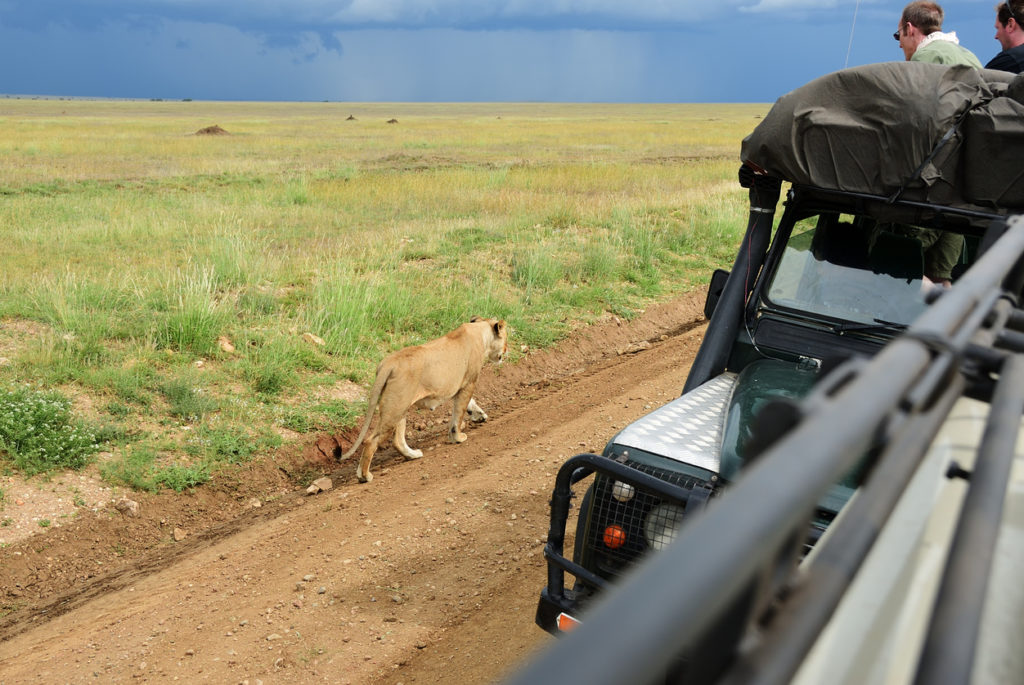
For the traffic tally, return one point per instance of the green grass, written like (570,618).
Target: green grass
(186,401)
(319,416)
(132,467)
(175,289)
(181,477)
(219,445)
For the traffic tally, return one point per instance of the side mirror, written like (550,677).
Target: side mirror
(715,288)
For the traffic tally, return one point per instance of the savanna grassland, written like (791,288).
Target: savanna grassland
(173,303)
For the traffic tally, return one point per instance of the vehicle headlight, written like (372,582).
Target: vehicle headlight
(662,525)
(623,492)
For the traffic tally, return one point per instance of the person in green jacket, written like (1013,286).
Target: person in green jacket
(921,38)
(940,250)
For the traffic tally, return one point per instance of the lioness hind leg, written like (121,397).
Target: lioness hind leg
(476,414)
(401,445)
(367,458)
(363,469)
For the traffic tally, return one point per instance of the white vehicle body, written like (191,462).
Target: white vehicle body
(876,633)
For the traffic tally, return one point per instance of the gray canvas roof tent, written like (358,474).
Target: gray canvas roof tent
(950,136)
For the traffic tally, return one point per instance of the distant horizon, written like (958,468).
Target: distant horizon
(587,51)
(37,96)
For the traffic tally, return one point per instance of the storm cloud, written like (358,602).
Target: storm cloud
(449,50)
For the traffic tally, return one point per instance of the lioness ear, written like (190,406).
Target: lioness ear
(474,319)
(499,327)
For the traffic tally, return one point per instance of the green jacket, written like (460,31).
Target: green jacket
(945,52)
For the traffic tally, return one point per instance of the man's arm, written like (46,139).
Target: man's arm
(942,255)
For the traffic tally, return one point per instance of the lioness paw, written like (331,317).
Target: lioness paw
(476,414)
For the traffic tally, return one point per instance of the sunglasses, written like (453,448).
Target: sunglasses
(1013,15)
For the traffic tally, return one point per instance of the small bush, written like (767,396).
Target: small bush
(131,468)
(181,477)
(188,403)
(115,433)
(298,421)
(38,433)
(271,367)
(222,445)
(117,409)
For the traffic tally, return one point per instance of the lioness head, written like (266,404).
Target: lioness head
(497,347)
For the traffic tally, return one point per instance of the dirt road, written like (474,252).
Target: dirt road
(429,574)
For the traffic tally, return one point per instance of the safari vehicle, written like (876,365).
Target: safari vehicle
(885,163)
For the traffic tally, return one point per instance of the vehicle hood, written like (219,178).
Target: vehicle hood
(687,429)
(709,426)
(758,384)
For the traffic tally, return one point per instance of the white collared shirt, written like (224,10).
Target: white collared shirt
(939,35)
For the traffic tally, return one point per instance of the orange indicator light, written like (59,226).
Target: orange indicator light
(614,537)
(566,622)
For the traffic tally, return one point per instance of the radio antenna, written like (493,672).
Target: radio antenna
(852,27)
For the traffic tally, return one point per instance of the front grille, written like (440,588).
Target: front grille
(615,536)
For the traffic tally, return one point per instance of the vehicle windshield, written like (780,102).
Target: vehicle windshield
(859,271)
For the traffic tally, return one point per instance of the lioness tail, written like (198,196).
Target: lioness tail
(371,406)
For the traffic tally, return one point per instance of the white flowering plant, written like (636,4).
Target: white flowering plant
(38,432)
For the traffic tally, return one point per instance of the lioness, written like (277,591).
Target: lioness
(426,375)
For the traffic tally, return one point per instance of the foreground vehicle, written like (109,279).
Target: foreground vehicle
(724,485)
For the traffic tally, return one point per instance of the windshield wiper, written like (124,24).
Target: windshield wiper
(879,326)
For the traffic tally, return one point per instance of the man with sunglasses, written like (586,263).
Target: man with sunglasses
(1010,35)
(921,38)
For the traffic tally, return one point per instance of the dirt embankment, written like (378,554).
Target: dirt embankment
(428,574)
